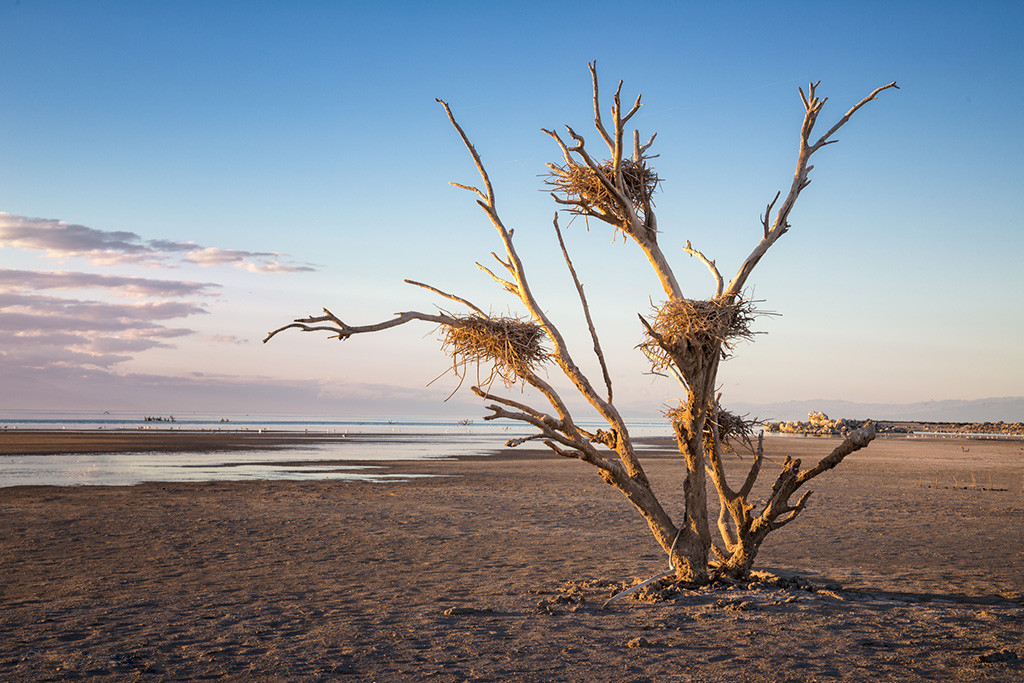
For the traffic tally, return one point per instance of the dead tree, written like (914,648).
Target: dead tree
(687,337)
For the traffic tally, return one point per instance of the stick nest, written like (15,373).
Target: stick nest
(514,346)
(685,331)
(581,186)
(733,429)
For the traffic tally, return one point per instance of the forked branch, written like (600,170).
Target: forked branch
(791,479)
(777,227)
(690,251)
(560,354)
(617,191)
(342,330)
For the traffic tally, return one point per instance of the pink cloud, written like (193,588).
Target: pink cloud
(59,239)
(116,285)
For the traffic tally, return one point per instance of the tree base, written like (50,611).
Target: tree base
(672,589)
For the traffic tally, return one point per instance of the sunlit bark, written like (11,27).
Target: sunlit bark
(617,190)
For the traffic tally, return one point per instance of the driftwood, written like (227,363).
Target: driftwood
(687,337)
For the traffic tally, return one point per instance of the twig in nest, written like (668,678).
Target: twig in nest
(582,187)
(735,428)
(513,346)
(684,331)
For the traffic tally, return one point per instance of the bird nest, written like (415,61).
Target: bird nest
(685,332)
(513,347)
(582,186)
(733,429)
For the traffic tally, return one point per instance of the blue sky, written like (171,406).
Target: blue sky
(176,179)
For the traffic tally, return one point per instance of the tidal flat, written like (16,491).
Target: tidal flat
(908,564)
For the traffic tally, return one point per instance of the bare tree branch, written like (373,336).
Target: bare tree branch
(780,225)
(505,284)
(823,140)
(586,310)
(560,354)
(489,196)
(768,214)
(470,188)
(854,442)
(597,107)
(639,151)
(755,468)
(689,337)
(539,415)
(343,331)
(791,512)
(446,295)
(709,263)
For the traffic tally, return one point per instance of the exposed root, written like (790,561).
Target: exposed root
(670,589)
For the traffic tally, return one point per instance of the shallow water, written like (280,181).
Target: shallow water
(342,458)
(305,462)
(128,469)
(360,439)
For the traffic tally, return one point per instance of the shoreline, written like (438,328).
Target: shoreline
(68,441)
(72,441)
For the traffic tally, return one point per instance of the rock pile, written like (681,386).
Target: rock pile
(819,424)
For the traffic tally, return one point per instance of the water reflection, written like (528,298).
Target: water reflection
(343,456)
(128,469)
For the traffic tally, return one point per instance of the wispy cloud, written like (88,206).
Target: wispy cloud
(44,356)
(273,266)
(254,262)
(224,339)
(41,349)
(76,324)
(37,280)
(58,239)
(38,331)
(86,314)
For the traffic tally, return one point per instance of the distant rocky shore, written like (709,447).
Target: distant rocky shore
(819,424)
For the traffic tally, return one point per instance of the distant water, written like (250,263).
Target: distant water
(366,438)
(319,424)
(234,422)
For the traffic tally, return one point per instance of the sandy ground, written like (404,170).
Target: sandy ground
(39,442)
(497,571)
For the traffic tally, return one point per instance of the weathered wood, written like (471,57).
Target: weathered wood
(697,422)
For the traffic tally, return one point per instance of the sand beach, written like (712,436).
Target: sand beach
(909,558)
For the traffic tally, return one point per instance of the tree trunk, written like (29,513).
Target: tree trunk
(741,561)
(691,554)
